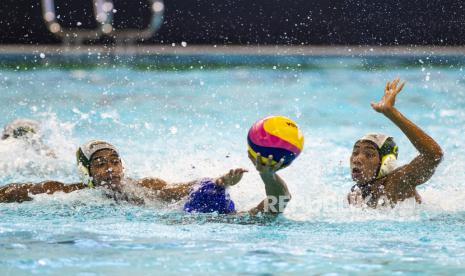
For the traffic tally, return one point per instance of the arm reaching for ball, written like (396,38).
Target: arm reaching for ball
(277,193)
(177,191)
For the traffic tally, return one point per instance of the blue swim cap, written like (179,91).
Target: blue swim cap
(209,197)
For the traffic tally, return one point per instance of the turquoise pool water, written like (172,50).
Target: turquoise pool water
(181,118)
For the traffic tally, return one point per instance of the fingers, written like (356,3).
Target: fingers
(400,87)
(258,162)
(266,166)
(375,106)
(238,172)
(279,164)
(241,170)
(269,162)
(394,83)
(392,86)
(231,178)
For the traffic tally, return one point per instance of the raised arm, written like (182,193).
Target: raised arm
(21,192)
(277,193)
(422,167)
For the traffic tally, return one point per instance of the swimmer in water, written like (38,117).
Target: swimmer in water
(28,131)
(372,163)
(101,167)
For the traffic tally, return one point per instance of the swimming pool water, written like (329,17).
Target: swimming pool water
(186,122)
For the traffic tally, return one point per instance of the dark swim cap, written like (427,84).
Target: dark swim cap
(209,197)
(21,128)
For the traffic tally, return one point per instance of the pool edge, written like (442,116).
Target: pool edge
(178,49)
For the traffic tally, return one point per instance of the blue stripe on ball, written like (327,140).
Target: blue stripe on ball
(276,152)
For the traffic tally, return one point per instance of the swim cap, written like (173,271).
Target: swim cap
(388,151)
(21,128)
(209,197)
(84,155)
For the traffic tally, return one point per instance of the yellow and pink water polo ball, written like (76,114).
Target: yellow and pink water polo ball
(278,136)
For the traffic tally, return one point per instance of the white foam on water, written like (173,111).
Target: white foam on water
(203,146)
(24,163)
(318,180)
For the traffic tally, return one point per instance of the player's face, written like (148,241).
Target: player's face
(106,168)
(364,162)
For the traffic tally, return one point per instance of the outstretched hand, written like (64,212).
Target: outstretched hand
(267,168)
(389,98)
(231,178)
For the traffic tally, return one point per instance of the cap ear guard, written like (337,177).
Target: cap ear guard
(83,168)
(388,152)
(388,164)
(389,147)
(85,175)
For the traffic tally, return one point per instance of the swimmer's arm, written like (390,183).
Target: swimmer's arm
(177,191)
(277,196)
(277,193)
(165,191)
(422,167)
(21,192)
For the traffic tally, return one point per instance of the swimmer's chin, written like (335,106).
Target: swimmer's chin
(113,183)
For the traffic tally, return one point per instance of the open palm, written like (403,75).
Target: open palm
(231,178)
(389,98)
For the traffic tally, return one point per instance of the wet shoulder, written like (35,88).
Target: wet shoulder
(394,192)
